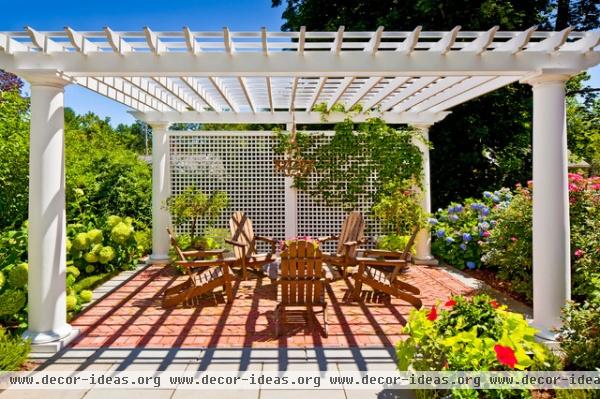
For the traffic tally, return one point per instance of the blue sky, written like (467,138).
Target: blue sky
(134,15)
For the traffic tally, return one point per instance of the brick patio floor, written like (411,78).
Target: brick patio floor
(132,317)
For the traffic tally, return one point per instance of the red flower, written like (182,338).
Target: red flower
(494,304)
(505,355)
(579,253)
(432,315)
(450,303)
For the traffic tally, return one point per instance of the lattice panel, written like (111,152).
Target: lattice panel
(317,219)
(239,163)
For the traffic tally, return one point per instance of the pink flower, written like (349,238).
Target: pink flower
(486,234)
(579,253)
(432,315)
(505,355)
(513,239)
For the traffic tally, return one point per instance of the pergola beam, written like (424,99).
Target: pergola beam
(282,117)
(292,64)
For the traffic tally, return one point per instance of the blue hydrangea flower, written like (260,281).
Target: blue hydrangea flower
(463,246)
(496,199)
(485,211)
(487,194)
(466,237)
(471,265)
(449,240)
(440,233)
(485,226)
(432,221)
(453,218)
(458,208)
(508,196)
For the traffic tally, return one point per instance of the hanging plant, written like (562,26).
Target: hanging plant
(293,162)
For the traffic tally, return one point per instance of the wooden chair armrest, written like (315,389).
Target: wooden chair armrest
(328,238)
(199,263)
(382,253)
(351,243)
(235,243)
(204,254)
(375,263)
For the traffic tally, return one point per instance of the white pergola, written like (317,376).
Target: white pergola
(412,78)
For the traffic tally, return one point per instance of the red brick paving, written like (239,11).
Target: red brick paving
(132,316)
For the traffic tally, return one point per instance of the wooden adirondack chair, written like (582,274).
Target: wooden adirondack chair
(301,282)
(244,240)
(380,270)
(204,275)
(351,236)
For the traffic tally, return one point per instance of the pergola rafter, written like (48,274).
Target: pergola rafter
(264,77)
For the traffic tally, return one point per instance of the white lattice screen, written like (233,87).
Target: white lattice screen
(241,164)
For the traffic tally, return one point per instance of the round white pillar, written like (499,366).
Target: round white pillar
(47,217)
(160,193)
(551,230)
(423,239)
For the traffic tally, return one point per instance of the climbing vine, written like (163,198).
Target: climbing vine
(356,153)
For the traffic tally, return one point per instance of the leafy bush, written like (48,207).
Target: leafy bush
(579,335)
(393,242)
(509,247)
(471,335)
(459,230)
(192,205)
(399,208)
(13,351)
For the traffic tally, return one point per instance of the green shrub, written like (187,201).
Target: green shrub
(81,241)
(89,282)
(17,276)
(106,255)
(579,336)
(71,302)
(471,335)
(12,301)
(95,236)
(121,233)
(86,296)
(72,270)
(400,210)
(91,257)
(13,351)
(393,242)
(2,280)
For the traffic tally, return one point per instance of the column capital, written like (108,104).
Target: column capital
(46,78)
(547,77)
(422,126)
(159,125)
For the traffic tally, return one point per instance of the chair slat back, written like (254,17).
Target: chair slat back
(406,252)
(176,245)
(243,232)
(301,272)
(352,230)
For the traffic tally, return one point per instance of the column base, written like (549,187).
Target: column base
(428,260)
(51,341)
(158,259)
(544,334)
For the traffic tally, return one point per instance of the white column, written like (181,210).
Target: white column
(47,217)
(160,193)
(291,203)
(551,246)
(423,241)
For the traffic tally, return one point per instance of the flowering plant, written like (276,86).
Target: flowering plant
(478,334)
(460,229)
(509,247)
